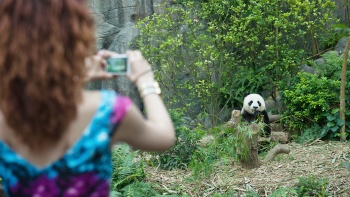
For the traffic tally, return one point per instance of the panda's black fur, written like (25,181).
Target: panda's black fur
(253,106)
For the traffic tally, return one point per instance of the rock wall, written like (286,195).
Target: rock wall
(115,21)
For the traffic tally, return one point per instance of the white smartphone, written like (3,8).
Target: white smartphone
(118,64)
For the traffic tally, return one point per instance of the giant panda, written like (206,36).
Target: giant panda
(253,105)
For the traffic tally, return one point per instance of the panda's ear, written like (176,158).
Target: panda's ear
(245,94)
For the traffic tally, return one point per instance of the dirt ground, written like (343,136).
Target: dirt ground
(319,159)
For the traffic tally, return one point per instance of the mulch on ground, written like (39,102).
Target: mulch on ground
(318,159)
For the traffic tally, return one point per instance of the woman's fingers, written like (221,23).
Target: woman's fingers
(138,64)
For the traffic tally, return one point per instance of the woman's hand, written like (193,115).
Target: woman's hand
(141,71)
(95,67)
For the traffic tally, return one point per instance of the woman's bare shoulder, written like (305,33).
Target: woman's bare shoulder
(91,95)
(90,101)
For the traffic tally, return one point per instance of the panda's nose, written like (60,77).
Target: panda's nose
(255,107)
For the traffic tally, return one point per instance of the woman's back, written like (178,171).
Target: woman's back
(55,138)
(79,164)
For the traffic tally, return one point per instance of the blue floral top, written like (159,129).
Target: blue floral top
(85,169)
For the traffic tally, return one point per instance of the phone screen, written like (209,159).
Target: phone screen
(118,65)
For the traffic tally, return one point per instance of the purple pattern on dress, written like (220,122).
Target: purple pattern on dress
(121,106)
(42,186)
(87,184)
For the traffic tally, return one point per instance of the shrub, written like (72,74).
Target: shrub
(128,177)
(186,144)
(311,134)
(228,145)
(310,186)
(135,189)
(284,192)
(126,170)
(331,69)
(312,102)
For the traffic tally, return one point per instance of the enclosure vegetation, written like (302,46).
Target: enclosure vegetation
(207,55)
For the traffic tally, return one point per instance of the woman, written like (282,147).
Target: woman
(56,138)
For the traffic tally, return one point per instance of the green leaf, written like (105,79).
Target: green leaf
(339,27)
(336,110)
(330,124)
(335,128)
(331,118)
(340,122)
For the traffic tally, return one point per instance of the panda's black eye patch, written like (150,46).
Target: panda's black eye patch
(259,103)
(250,103)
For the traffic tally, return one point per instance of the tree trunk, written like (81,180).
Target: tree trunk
(251,159)
(342,90)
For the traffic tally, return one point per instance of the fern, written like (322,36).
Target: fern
(125,169)
(284,192)
(310,186)
(137,189)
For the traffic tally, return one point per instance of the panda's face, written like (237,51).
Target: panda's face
(253,103)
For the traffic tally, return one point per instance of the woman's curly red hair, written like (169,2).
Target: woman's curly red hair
(43,44)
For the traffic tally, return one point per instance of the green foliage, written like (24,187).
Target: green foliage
(186,144)
(284,192)
(251,193)
(332,128)
(188,62)
(203,161)
(268,37)
(310,186)
(334,122)
(319,123)
(220,150)
(128,174)
(332,38)
(229,144)
(331,69)
(125,169)
(207,54)
(309,99)
(311,134)
(135,189)
(228,194)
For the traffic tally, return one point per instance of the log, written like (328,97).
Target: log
(274,118)
(236,116)
(251,159)
(277,127)
(281,137)
(278,149)
(235,119)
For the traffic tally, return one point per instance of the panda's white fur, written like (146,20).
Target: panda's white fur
(253,105)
